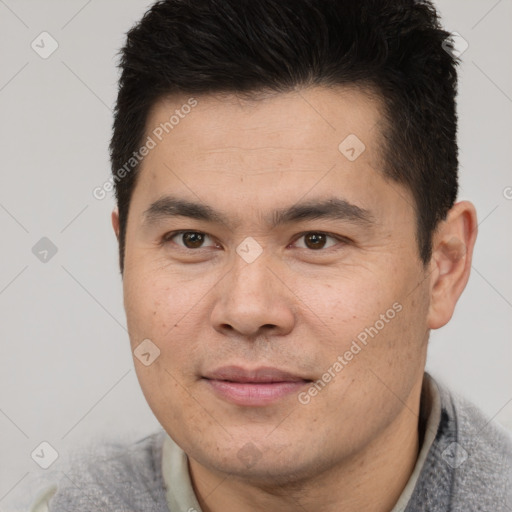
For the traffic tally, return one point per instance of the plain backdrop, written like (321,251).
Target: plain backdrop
(66,372)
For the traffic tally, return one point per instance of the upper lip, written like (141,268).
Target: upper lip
(260,374)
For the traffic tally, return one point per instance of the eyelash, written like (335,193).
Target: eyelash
(167,238)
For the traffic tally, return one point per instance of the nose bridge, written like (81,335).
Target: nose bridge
(250,281)
(250,298)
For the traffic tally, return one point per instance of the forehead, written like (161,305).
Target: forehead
(313,118)
(280,148)
(303,128)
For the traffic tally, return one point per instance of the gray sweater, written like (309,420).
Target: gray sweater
(467,468)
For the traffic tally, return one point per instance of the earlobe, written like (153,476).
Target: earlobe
(115,221)
(452,253)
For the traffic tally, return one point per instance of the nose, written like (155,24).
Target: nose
(253,301)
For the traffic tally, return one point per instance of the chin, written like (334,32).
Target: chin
(266,465)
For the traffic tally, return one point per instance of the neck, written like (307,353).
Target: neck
(371,480)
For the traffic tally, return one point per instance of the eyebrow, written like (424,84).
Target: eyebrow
(333,208)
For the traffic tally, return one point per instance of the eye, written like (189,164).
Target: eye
(313,240)
(189,239)
(316,240)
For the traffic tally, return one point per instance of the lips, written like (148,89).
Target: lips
(258,387)
(262,374)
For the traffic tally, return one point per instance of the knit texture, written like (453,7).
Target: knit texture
(125,479)
(469,466)
(468,469)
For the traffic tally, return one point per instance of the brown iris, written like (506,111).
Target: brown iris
(315,240)
(193,240)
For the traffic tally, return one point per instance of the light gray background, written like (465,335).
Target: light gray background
(66,372)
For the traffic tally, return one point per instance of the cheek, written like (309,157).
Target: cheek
(144,301)
(345,300)
(154,301)
(382,310)
(156,312)
(164,309)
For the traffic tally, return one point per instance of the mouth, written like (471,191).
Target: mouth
(257,387)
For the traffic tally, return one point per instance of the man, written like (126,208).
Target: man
(286,177)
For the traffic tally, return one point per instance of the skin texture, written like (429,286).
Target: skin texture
(353,446)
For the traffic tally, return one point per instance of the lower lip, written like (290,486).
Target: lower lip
(253,394)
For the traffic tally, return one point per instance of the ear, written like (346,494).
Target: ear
(115,222)
(450,266)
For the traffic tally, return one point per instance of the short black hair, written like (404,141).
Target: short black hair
(396,48)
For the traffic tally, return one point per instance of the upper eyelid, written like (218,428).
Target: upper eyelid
(332,235)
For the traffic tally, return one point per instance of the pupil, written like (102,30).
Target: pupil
(318,240)
(193,239)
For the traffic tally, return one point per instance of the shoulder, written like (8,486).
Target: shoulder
(111,476)
(470,461)
(486,454)
(482,437)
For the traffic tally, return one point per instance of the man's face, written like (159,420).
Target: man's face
(274,284)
